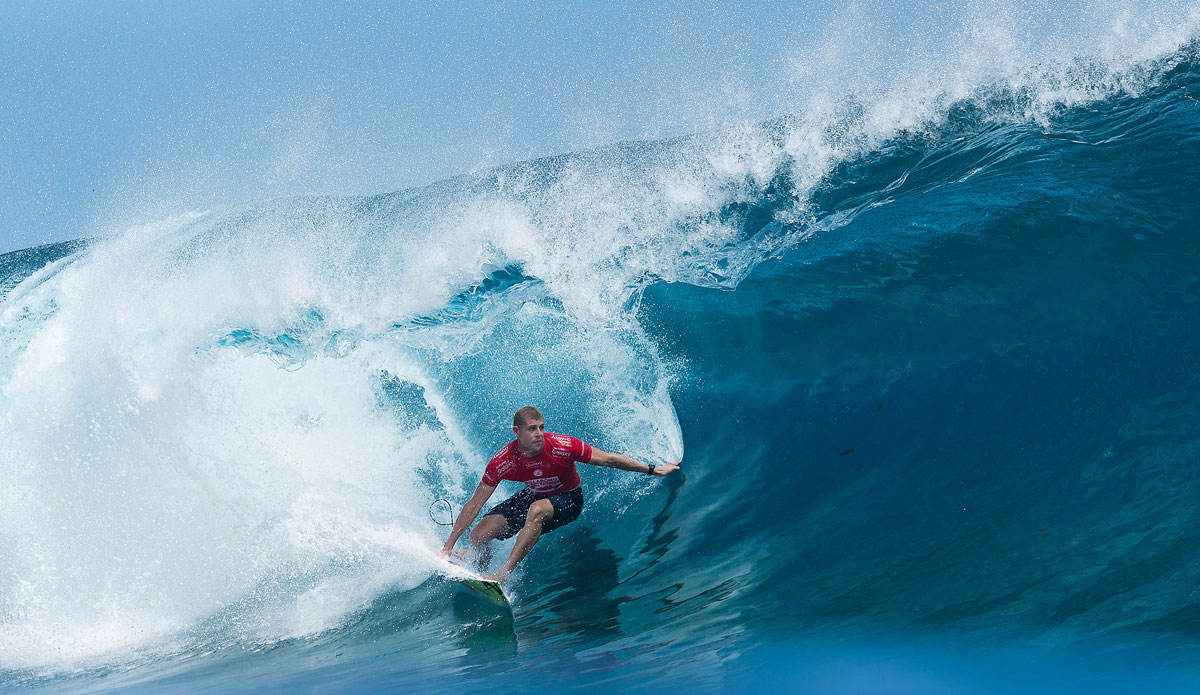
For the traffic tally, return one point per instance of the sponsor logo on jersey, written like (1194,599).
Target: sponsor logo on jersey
(538,472)
(543,484)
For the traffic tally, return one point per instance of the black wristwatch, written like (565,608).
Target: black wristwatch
(649,469)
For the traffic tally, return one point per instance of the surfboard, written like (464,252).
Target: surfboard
(485,589)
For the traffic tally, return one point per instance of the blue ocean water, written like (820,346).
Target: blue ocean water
(932,377)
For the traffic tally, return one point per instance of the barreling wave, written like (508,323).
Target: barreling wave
(936,340)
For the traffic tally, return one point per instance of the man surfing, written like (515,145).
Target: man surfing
(552,497)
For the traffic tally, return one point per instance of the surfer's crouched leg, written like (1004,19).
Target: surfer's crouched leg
(488,529)
(543,516)
(539,513)
(529,515)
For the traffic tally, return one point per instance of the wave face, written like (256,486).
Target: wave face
(935,373)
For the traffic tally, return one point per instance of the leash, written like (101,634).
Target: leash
(449,512)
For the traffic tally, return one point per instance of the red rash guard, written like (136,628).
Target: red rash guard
(550,472)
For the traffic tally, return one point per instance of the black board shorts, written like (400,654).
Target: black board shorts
(567,506)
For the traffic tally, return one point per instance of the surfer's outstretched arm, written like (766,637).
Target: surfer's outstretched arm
(604,458)
(467,516)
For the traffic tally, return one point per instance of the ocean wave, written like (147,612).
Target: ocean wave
(899,330)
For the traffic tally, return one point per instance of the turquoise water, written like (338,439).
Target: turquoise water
(933,383)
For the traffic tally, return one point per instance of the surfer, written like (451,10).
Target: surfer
(552,497)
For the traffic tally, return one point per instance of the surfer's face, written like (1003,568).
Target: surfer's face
(530,436)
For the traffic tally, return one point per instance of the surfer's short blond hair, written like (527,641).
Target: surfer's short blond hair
(526,414)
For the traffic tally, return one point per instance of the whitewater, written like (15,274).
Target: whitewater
(928,355)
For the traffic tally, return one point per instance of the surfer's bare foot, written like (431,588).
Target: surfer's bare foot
(460,554)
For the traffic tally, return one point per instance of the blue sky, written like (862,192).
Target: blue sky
(113,113)
(118,112)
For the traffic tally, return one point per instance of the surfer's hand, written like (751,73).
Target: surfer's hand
(446,550)
(666,468)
